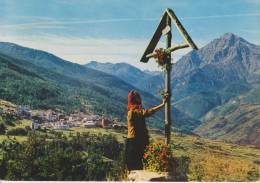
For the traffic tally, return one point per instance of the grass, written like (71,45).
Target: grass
(16,138)
(20,124)
(5,104)
(119,135)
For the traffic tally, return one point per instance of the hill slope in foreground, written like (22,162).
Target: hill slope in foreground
(207,160)
(199,159)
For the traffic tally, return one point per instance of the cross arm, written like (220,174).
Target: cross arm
(171,49)
(156,37)
(181,29)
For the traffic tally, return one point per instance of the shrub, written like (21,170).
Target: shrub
(157,157)
(17,131)
(181,168)
(253,174)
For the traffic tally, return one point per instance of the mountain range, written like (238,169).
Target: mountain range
(208,79)
(204,84)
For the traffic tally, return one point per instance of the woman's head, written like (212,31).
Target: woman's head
(134,100)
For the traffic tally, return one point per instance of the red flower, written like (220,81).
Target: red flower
(145,155)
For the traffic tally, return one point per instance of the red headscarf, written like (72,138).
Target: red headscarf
(134,100)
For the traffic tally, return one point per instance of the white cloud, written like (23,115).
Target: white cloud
(47,21)
(54,22)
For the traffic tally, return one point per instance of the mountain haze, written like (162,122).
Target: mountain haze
(124,71)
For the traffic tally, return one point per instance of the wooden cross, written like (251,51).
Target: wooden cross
(165,28)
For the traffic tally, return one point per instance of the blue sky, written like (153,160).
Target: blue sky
(119,30)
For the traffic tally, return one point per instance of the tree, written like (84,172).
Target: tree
(82,157)
(17,131)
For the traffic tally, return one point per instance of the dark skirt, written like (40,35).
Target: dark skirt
(134,154)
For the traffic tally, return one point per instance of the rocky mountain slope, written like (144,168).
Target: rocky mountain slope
(226,67)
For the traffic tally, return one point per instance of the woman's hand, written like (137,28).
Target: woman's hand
(164,101)
(158,107)
(165,97)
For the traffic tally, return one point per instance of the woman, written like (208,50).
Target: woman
(137,137)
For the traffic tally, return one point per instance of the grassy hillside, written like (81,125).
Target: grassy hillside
(67,72)
(198,104)
(236,121)
(198,159)
(252,97)
(233,122)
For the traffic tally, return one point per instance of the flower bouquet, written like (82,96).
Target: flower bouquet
(157,157)
(162,57)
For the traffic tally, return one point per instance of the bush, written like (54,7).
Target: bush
(17,131)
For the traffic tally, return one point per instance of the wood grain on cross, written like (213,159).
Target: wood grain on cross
(165,28)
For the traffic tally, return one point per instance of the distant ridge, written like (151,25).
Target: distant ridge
(124,71)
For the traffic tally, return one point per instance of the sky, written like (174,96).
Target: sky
(119,30)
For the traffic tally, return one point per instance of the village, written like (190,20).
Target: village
(51,119)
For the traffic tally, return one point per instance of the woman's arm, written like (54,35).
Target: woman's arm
(158,107)
(149,112)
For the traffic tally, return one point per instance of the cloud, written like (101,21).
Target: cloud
(46,21)
(54,22)
(221,16)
